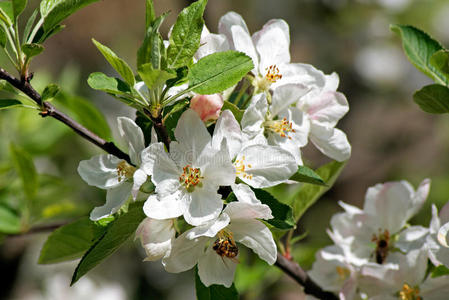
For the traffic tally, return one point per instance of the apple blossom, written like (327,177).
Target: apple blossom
(208,107)
(156,237)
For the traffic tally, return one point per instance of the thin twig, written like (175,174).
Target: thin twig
(160,129)
(48,110)
(300,276)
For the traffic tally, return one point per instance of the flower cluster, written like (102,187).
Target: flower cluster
(190,218)
(377,255)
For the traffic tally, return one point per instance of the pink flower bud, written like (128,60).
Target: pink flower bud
(207,106)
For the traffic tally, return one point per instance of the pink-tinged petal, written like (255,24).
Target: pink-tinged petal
(303,74)
(327,108)
(227,128)
(208,107)
(205,205)
(184,253)
(244,210)
(115,198)
(100,171)
(255,235)
(133,135)
(209,229)
(156,237)
(229,20)
(215,269)
(330,141)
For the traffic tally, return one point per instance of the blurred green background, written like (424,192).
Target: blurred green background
(392,138)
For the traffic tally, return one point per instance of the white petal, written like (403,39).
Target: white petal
(115,198)
(435,288)
(442,235)
(166,206)
(331,142)
(211,43)
(244,194)
(327,108)
(214,269)
(255,235)
(133,135)
(412,238)
(254,116)
(156,237)
(139,178)
(435,222)
(286,95)
(209,229)
(100,171)
(227,128)
(244,210)
(272,44)
(243,43)
(157,163)
(266,166)
(227,21)
(206,205)
(184,253)
(216,166)
(332,82)
(289,145)
(419,197)
(192,133)
(300,123)
(304,74)
(154,138)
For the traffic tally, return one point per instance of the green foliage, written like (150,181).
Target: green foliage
(26,170)
(419,48)
(145,124)
(219,71)
(152,49)
(441,270)
(70,241)
(237,112)
(50,92)
(32,49)
(29,26)
(282,213)
(9,103)
(150,13)
(305,174)
(433,99)
(116,234)
(110,85)
(55,11)
(310,193)
(2,38)
(153,78)
(9,221)
(6,12)
(18,6)
(214,292)
(117,63)
(440,60)
(186,34)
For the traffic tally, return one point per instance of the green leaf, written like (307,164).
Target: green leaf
(150,13)
(70,241)
(219,71)
(50,92)
(116,234)
(310,193)
(419,48)
(153,78)
(18,6)
(215,291)
(237,112)
(282,213)
(117,63)
(145,124)
(85,113)
(42,36)
(305,174)
(433,99)
(2,38)
(441,270)
(440,60)
(55,11)
(9,103)
(29,26)
(9,221)
(102,82)
(152,47)
(32,49)
(26,170)
(6,12)
(186,34)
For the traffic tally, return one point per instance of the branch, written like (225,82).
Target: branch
(300,276)
(160,129)
(49,110)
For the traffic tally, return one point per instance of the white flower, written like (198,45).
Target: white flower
(213,245)
(187,178)
(436,239)
(323,107)
(282,125)
(257,165)
(156,237)
(369,234)
(115,175)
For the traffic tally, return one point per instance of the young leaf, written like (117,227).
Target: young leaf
(9,103)
(70,241)
(419,48)
(440,60)
(145,124)
(152,47)
(117,63)
(305,174)
(282,213)
(433,99)
(237,112)
(102,82)
(6,12)
(150,13)
(2,38)
(116,234)
(310,193)
(18,6)
(26,170)
(215,291)
(41,35)
(441,270)
(219,71)
(9,221)
(32,49)
(50,92)
(55,11)
(186,34)
(153,78)
(29,26)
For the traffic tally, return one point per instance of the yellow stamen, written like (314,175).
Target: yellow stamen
(273,74)
(241,168)
(125,171)
(282,127)
(409,293)
(343,273)
(190,178)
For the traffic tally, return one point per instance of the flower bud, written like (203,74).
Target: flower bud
(207,106)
